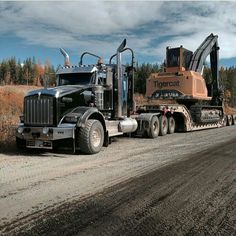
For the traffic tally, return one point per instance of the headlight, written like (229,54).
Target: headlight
(20,130)
(45,130)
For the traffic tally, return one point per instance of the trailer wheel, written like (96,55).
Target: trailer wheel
(154,127)
(229,120)
(233,119)
(91,137)
(171,125)
(163,125)
(224,121)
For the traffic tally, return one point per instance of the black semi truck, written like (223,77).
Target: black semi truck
(89,105)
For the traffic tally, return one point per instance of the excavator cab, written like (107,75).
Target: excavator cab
(177,59)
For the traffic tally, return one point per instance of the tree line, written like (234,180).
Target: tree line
(30,72)
(227,82)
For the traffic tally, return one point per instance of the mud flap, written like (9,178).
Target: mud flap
(106,139)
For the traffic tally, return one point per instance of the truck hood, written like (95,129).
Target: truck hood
(59,91)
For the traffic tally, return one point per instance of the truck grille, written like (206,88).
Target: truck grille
(38,111)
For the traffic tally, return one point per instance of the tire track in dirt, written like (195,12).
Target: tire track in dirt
(45,181)
(193,196)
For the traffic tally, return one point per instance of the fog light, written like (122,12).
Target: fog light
(45,130)
(20,130)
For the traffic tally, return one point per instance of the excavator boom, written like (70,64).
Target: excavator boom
(208,47)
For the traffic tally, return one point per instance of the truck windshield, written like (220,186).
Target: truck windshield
(76,79)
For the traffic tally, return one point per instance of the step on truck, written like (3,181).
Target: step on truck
(93,103)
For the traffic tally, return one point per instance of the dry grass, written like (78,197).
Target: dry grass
(11,106)
(230,110)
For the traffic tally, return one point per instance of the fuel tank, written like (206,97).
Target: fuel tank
(128,125)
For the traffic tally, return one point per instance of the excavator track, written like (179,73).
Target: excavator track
(206,114)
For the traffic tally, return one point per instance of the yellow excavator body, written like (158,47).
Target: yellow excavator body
(180,85)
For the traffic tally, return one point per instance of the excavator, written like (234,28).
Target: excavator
(182,83)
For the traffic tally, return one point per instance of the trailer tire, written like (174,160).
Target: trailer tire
(171,125)
(91,137)
(163,125)
(224,121)
(233,119)
(154,127)
(229,120)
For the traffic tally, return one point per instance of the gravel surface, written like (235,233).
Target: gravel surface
(37,184)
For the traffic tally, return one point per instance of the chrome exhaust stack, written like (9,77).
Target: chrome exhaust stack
(119,76)
(66,57)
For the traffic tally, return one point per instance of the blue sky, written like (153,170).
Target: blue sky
(33,28)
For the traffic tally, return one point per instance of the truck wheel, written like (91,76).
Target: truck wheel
(229,120)
(233,119)
(91,137)
(163,125)
(154,127)
(171,125)
(20,144)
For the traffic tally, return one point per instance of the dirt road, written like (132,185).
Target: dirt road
(178,184)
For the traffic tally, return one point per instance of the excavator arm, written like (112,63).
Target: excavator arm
(208,47)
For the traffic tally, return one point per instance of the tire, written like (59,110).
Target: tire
(20,144)
(224,121)
(163,125)
(91,137)
(234,120)
(154,127)
(171,125)
(229,120)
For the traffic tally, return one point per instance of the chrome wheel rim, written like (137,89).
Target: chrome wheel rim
(96,137)
(155,127)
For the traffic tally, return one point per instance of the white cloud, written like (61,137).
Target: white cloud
(218,18)
(100,26)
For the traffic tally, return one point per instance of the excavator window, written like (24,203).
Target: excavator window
(173,56)
(187,55)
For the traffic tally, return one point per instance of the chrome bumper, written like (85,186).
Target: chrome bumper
(43,137)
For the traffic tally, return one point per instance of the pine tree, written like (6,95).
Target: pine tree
(5,72)
(142,74)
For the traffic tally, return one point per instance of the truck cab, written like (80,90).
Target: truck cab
(89,105)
